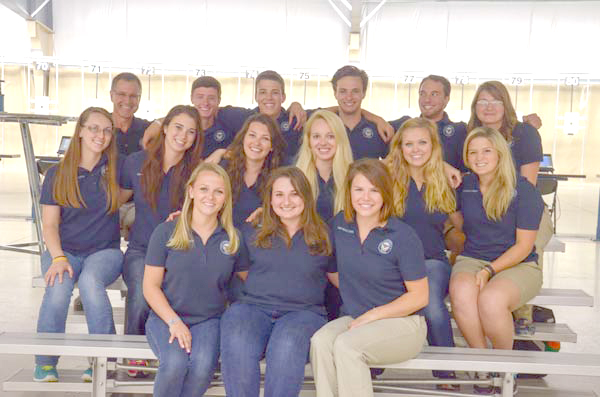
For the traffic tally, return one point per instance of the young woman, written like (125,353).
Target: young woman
(188,265)
(80,221)
(324,157)
(492,107)
(497,271)
(156,179)
(383,284)
(424,200)
(282,305)
(257,149)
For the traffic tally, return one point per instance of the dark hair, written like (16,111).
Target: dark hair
(350,71)
(440,79)
(315,230)
(152,168)
(236,166)
(126,76)
(379,175)
(271,75)
(208,82)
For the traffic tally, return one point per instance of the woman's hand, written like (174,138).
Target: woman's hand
(454,176)
(481,278)
(173,215)
(216,156)
(365,318)
(182,333)
(255,214)
(57,269)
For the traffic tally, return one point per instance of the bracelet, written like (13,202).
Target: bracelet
(490,270)
(174,320)
(56,258)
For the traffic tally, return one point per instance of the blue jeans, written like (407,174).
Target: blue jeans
(249,333)
(439,329)
(92,273)
(136,308)
(180,373)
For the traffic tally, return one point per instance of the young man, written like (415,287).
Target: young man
(206,97)
(350,87)
(125,94)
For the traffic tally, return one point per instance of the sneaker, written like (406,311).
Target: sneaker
(134,373)
(45,373)
(86,376)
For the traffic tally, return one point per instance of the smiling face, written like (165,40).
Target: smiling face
(432,100)
(416,146)
(206,100)
(96,133)
(349,93)
(286,202)
(180,133)
(125,98)
(366,198)
(489,110)
(482,156)
(208,193)
(323,144)
(270,97)
(257,142)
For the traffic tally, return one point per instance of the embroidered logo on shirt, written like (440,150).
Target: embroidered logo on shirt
(284,126)
(224,247)
(219,136)
(367,132)
(385,247)
(448,130)
(103,170)
(343,229)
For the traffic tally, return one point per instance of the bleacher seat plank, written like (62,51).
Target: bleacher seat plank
(562,297)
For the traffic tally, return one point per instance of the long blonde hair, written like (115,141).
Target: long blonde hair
(438,193)
(341,160)
(500,193)
(66,191)
(182,239)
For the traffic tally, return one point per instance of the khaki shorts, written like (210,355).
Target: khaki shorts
(527,276)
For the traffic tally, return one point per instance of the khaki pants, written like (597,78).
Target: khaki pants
(544,235)
(341,358)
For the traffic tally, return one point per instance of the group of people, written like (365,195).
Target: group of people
(296,234)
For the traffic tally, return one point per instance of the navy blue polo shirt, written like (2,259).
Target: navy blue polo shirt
(195,280)
(373,273)
(246,203)
(452,137)
(365,141)
(428,225)
(526,145)
(130,141)
(218,136)
(487,239)
(282,278)
(89,228)
(235,117)
(146,219)
(325,198)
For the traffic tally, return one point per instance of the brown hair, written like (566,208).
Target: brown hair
(66,191)
(236,167)
(497,90)
(350,71)
(207,82)
(439,79)
(315,231)
(152,168)
(379,175)
(273,76)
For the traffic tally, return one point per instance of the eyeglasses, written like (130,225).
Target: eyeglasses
(94,129)
(122,95)
(485,103)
